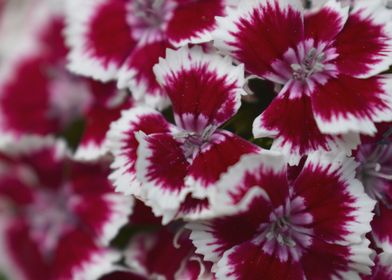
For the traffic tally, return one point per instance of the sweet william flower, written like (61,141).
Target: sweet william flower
(57,216)
(36,81)
(122,40)
(54,97)
(310,228)
(326,62)
(173,168)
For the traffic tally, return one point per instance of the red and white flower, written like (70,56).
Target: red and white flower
(172,168)
(122,40)
(309,228)
(326,63)
(36,81)
(57,216)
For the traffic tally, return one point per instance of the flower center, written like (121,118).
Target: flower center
(281,231)
(49,218)
(149,17)
(287,231)
(193,141)
(312,63)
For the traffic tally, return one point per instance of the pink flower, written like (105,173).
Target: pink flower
(309,228)
(326,63)
(57,215)
(123,39)
(37,82)
(173,168)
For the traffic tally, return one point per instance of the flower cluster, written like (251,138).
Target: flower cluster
(195,139)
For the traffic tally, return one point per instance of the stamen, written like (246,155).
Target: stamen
(194,141)
(312,63)
(280,231)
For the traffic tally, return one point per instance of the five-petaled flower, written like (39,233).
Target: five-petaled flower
(172,168)
(232,207)
(311,227)
(326,62)
(123,39)
(57,215)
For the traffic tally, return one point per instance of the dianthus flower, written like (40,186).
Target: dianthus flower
(57,216)
(123,39)
(326,64)
(36,83)
(311,227)
(173,168)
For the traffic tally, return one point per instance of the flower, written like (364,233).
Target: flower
(122,40)
(55,98)
(326,63)
(173,169)
(286,228)
(57,215)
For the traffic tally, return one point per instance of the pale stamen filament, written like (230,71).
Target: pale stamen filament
(312,63)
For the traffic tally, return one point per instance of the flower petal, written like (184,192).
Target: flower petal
(382,269)
(342,262)
(162,167)
(204,88)
(147,253)
(14,102)
(346,104)
(199,17)
(382,228)
(248,261)
(340,208)
(290,121)
(326,23)
(123,144)
(365,44)
(214,237)
(104,214)
(253,35)
(137,75)
(122,275)
(223,151)
(15,190)
(244,181)
(93,144)
(99,37)
(14,239)
(78,257)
